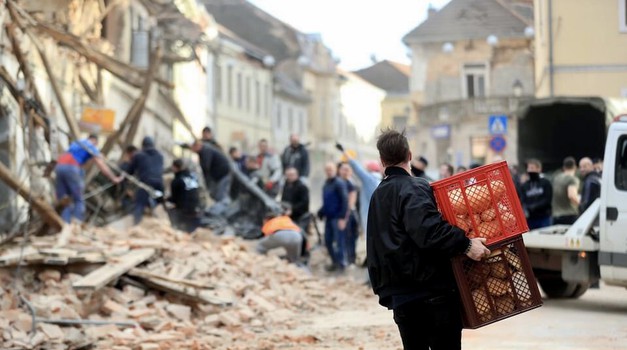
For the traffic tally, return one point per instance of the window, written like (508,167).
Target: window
(474,80)
(620,177)
(229,85)
(622,16)
(257,98)
(278,116)
(301,123)
(218,86)
(267,100)
(140,41)
(248,93)
(239,90)
(399,122)
(290,119)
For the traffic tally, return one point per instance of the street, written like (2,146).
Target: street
(598,320)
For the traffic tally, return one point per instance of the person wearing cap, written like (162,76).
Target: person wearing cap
(69,181)
(147,166)
(419,166)
(184,194)
(216,169)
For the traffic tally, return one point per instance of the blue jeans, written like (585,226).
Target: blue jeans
(335,240)
(352,234)
(69,182)
(539,222)
(142,201)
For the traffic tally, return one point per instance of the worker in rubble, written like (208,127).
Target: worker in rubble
(147,166)
(281,232)
(296,193)
(296,156)
(409,247)
(184,194)
(69,180)
(216,169)
(127,190)
(335,211)
(207,136)
(270,168)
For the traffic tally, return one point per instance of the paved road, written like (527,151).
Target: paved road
(598,320)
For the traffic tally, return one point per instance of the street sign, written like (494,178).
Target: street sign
(497,124)
(498,144)
(441,131)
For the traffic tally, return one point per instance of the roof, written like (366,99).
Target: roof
(393,77)
(470,19)
(288,87)
(257,27)
(249,48)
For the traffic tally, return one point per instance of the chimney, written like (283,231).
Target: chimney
(431,11)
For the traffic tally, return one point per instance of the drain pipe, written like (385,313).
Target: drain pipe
(551,66)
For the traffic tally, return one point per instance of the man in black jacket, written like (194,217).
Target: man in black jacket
(296,194)
(295,155)
(591,189)
(185,197)
(537,197)
(409,247)
(147,166)
(216,170)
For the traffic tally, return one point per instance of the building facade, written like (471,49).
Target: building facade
(471,60)
(573,59)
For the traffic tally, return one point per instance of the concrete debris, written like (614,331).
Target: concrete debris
(196,291)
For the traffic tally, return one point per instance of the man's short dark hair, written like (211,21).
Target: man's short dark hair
(232,150)
(450,168)
(535,162)
(393,147)
(130,149)
(263,140)
(93,136)
(569,163)
(178,163)
(597,160)
(205,129)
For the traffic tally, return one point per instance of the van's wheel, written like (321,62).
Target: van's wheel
(555,287)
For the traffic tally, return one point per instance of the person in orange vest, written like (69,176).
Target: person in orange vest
(281,232)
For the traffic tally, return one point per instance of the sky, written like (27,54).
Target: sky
(355,29)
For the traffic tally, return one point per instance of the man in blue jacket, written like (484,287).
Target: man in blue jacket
(335,210)
(147,166)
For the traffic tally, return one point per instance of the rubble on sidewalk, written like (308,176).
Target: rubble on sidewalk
(182,291)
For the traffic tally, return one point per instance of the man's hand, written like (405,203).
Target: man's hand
(116,180)
(341,224)
(478,250)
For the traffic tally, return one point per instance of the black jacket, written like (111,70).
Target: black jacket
(409,244)
(296,157)
(184,193)
(591,190)
(147,166)
(296,194)
(537,198)
(420,173)
(214,164)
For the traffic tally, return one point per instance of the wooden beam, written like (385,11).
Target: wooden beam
(184,291)
(113,270)
(47,212)
(125,72)
(19,55)
(93,95)
(71,121)
(137,107)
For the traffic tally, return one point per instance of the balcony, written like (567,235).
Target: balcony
(454,112)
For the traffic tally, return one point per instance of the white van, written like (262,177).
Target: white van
(568,259)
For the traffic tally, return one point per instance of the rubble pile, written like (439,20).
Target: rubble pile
(164,288)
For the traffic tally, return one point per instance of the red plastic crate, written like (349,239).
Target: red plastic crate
(483,202)
(501,286)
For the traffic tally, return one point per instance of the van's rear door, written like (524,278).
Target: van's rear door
(613,254)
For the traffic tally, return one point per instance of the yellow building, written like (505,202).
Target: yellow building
(581,48)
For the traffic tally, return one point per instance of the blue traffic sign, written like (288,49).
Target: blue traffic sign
(497,124)
(498,144)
